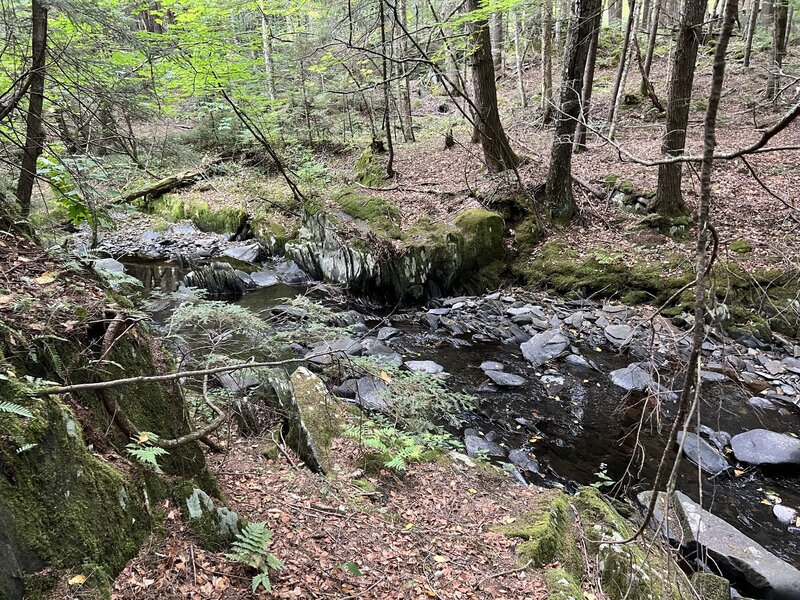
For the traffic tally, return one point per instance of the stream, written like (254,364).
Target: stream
(566,415)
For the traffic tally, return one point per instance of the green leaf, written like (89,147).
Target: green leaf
(352,568)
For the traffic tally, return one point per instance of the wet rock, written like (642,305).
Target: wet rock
(264,278)
(290,273)
(110,265)
(381,351)
(439,312)
(576,360)
(764,447)
(347,389)
(218,279)
(287,310)
(738,557)
(385,333)
(618,335)
(430,320)
(712,376)
(245,277)
(720,440)
(504,379)
(336,350)
(544,346)
(478,446)
(249,253)
(785,514)
(373,394)
(490,365)
(763,403)
(523,461)
(424,366)
(702,453)
(635,377)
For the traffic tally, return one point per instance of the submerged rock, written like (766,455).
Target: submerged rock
(764,447)
(264,278)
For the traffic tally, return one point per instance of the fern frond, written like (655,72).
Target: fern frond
(15,409)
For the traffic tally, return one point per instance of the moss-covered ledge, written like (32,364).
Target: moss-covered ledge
(755,303)
(364,248)
(572,529)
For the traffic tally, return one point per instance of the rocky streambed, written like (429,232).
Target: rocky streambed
(569,392)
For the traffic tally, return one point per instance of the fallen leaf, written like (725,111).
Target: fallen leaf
(45,278)
(386,377)
(440,559)
(77,580)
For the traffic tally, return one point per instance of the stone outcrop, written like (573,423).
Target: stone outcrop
(426,262)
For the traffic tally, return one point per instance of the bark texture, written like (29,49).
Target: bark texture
(669,199)
(497,152)
(34,135)
(560,204)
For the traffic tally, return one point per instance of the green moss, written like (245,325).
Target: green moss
(369,169)
(205,218)
(711,587)
(615,182)
(562,586)
(548,536)
(215,526)
(381,215)
(482,234)
(740,246)
(274,232)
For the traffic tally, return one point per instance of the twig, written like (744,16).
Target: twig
(501,574)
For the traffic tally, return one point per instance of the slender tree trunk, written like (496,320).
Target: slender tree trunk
(559,19)
(387,110)
(405,83)
(781,11)
(560,203)
(588,83)
(497,42)
(752,23)
(518,50)
(789,19)
(547,61)
(651,43)
(644,22)
(669,199)
(622,70)
(34,135)
(269,61)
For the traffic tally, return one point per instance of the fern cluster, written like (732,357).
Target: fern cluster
(251,548)
(15,409)
(143,450)
(398,448)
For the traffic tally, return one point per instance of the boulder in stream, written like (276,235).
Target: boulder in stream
(764,447)
(503,379)
(544,346)
(479,446)
(424,366)
(725,549)
(701,453)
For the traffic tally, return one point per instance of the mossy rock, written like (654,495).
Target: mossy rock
(178,207)
(273,232)
(740,246)
(382,216)
(369,169)
(215,526)
(482,232)
(561,585)
(711,587)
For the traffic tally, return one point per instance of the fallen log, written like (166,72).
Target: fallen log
(167,184)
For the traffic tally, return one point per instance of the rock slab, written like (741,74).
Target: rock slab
(764,447)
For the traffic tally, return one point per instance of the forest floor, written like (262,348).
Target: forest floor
(430,534)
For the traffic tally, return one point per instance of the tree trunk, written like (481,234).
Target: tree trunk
(560,203)
(651,43)
(752,23)
(497,152)
(669,199)
(645,18)
(547,61)
(266,47)
(614,11)
(497,43)
(387,111)
(518,50)
(588,83)
(405,83)
(34,135)
(622,70)
(780,14)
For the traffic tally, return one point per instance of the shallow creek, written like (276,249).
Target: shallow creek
(571,418)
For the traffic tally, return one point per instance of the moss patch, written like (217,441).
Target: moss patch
(740,246)
(482,233)
(562,586)
(205,218)
(382,216)
(369,169)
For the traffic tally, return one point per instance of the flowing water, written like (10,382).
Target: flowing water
(573,419)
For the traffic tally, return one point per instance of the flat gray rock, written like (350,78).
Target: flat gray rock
(635,378)
(385,333)
(424,366)
(264,278)
(738,556)
(522,461)
(544,346)
(792,364)
(372,393)
(249,253)
(575,320)
(504,379)
(618,335)
(490,365)
(764,447)
(109,264)
(713,376)
(701,453)
(478,446)
(381,351)
(760,402)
